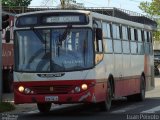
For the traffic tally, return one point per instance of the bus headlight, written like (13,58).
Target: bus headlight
(27,91)
(21,89)
(84,86)
(77,89)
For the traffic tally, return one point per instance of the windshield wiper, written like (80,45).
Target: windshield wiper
(65,33)
(63,36)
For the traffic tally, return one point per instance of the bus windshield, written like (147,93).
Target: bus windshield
(54,50)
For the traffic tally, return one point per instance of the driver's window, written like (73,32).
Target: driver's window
(98,42)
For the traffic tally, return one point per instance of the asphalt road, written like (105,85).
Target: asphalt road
(121,110)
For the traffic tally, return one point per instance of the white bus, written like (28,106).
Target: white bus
(79,56)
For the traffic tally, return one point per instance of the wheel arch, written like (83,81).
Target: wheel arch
(112,82)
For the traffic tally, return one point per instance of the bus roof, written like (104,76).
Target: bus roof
(127,15)
(113,12)
(56,10)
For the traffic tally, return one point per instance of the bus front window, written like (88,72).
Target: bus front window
(32,50)
(71,50)
(43,50)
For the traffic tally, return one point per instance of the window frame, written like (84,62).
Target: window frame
(118,39)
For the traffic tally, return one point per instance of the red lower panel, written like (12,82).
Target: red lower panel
(96,92)
(127,87)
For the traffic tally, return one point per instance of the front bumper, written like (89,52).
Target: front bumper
(93,94)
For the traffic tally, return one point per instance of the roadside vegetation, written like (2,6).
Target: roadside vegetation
(6,106)
(152,9)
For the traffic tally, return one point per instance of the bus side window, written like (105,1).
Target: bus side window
(125,41)
(98,36)
(151,46)
(149,42)
(124,33)
(108,44)
(132,34)
(116,31)
(140,43)
(116,38)
(146,40)
(99,42)
(133,43)
(150,36)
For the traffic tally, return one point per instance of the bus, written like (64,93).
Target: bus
(81,56)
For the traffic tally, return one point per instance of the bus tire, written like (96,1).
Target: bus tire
(44,107)
(106,105)
(141,95)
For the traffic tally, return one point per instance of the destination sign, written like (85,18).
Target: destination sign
(62,19)
(50,19)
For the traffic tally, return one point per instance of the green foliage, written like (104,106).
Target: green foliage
(145,6)
(156,35)
(152,9)
(6,106)
(16,2)
(155,7)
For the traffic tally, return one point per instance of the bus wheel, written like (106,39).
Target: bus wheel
(106,105)
(44,107)
(141,95)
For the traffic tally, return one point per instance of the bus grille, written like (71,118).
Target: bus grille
(52,89)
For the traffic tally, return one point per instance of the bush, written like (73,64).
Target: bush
(6,106)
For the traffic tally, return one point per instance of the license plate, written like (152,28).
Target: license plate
(51,98)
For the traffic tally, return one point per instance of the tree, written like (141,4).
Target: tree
(71,4)
(16,2)
(153,10)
